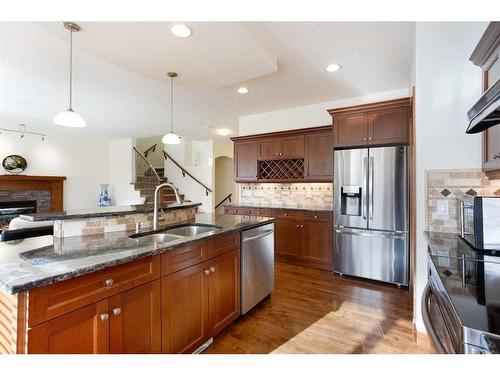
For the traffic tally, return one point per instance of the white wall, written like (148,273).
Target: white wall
(197,158)
(154,157)
(308,115)
(121,173)
(447,85)
(84,161)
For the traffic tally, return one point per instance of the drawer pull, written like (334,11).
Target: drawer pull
(117,311)
(212,269)
(285,214)
(206,272)
(315,216)
(104,317)
(109,283)
(298,226)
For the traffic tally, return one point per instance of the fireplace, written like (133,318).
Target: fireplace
(10,210)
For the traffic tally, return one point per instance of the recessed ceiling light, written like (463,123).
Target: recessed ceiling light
(333,68)
(224,132)
(180,30)
(243,90)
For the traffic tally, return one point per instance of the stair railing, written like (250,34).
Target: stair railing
(222,201)
(185,172)
(152,149)
(145,174)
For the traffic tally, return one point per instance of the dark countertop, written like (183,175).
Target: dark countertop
(471,279)
(104,211)
(296,207)
(33,262)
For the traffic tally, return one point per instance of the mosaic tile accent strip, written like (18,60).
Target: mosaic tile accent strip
(308,194)
(450,185)
(101,225)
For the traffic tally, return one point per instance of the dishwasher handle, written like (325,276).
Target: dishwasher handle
(261,235)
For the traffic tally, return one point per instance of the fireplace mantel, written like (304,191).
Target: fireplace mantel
(24,182)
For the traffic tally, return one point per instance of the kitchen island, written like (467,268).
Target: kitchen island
(122,291)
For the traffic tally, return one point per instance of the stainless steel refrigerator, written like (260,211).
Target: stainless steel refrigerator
(371,213)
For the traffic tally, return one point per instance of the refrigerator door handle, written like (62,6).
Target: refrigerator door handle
(371,171)
(364,196)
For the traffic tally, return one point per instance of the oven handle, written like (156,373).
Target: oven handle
(428,323)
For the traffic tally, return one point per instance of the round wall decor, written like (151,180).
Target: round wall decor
(14,164)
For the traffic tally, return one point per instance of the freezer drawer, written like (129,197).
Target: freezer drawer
(373,255)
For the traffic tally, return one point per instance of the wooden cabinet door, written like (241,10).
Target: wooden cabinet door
(185,310)
(491,136)
(350,130)
(316,243)
(135,320)
(286,238)
(388,126)
(224,291)
(292,147)
(245,165)
(270,148)
(83,331)
(319,157)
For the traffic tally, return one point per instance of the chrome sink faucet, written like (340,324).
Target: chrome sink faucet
(155,196)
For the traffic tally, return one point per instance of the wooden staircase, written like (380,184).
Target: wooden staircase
(143,186)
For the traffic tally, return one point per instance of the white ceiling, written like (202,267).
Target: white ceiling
(120,84)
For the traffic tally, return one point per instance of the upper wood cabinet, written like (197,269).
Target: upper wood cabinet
(281,148)
(374,124)
(319,156)
(245,161)
(487,56)
(295,155)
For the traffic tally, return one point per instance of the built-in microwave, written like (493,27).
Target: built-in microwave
(480,221)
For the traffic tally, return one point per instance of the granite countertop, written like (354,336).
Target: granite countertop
(297,207)
(33,262)
(471,280)
(104,211)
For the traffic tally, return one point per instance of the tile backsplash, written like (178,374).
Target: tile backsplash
(442,190)
(304,194)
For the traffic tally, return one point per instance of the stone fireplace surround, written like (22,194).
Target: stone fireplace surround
(47,191)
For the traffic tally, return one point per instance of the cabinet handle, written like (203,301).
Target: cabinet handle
(258,212)
(302,225)
(104,317)
(298,226)
(370,138)
(285,214)
(315,216)
(109,282)
(206,272)
(117,311)
(364,138)
(212,269)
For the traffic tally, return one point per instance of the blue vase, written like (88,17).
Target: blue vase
(104,198)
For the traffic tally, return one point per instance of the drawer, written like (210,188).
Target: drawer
(183,257)
(223,244)
(51,301)
(260,212)
(286,214)
(319,216)
(237,211)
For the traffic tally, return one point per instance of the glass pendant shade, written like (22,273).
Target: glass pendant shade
(171,139)
(69,118)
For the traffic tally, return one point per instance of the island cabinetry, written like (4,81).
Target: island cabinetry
(51,301)
(170,303)
(128,322)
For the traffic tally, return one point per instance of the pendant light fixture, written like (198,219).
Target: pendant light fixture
(69,117)
(171,138)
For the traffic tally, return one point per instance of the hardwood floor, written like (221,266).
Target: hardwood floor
(312,311)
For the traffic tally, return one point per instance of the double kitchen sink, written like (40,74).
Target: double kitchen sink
(176,233)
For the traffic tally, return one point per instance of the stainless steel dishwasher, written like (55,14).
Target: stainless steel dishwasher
(257,265)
